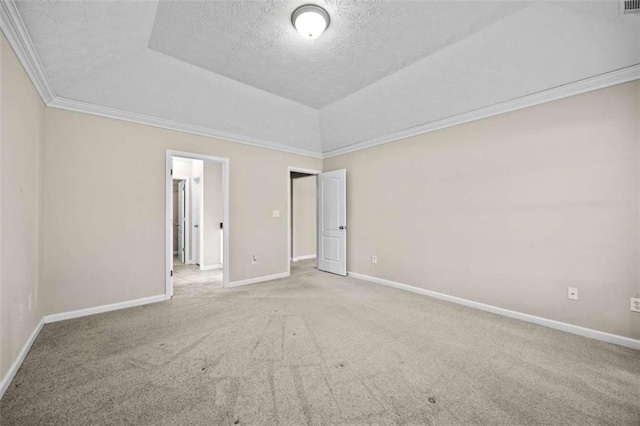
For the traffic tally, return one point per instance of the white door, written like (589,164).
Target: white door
(195,219)
(332,222)
(182,218)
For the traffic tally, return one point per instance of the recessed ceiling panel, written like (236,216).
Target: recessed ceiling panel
(254,42)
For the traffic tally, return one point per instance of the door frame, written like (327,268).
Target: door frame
(289,218)
(168,213)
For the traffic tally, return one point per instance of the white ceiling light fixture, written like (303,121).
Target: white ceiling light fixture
(310,20)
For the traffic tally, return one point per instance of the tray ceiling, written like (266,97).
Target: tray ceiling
(257,45)
(238,69)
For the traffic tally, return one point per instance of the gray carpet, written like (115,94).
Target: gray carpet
(190,279)
(318,349)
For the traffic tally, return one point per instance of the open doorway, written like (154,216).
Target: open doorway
(197,223)
(302,213)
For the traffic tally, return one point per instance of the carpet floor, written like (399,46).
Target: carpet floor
(317,349)
(189,278)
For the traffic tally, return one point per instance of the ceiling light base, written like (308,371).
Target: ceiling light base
(310,20)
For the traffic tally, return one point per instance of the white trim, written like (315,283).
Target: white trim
(289,218)
(168,203)
(562,326)
(258,279)
(601,81)
(18,37)
(226,173)
(299,258)
(201,219)
(10,374)
(210,267)
(303,170)
(102,111)
(103,308)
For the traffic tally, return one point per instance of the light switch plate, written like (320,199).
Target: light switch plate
(276,213)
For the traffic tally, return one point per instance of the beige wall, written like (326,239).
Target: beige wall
(85,188)
(21,121)
(213,213)
(303,202)
(510,210)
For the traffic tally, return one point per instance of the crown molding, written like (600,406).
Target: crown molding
(601,81)
(89,108)
(14,30)
(18,37)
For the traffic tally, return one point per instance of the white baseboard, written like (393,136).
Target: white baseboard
(258,279)
(309,256)
(210,267)
(103,308)
(8,377)
(569,328)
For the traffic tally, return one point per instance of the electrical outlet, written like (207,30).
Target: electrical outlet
(635,304)
(30,301)
(276,213)
(20,310)
(374,260)
(572,293)
(254,259)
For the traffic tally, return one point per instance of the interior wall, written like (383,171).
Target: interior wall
(213,213)
(22,120)
(510,210)
(88,153)
(303,206)
(182,167)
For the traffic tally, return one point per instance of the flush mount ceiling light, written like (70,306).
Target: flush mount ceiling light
(310,20)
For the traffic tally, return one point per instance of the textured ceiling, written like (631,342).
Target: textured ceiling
(238,69)
(255,43)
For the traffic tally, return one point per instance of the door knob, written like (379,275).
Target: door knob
(195,226)
(342,227)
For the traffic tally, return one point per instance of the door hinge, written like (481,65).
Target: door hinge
(171,273)
(171,172)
